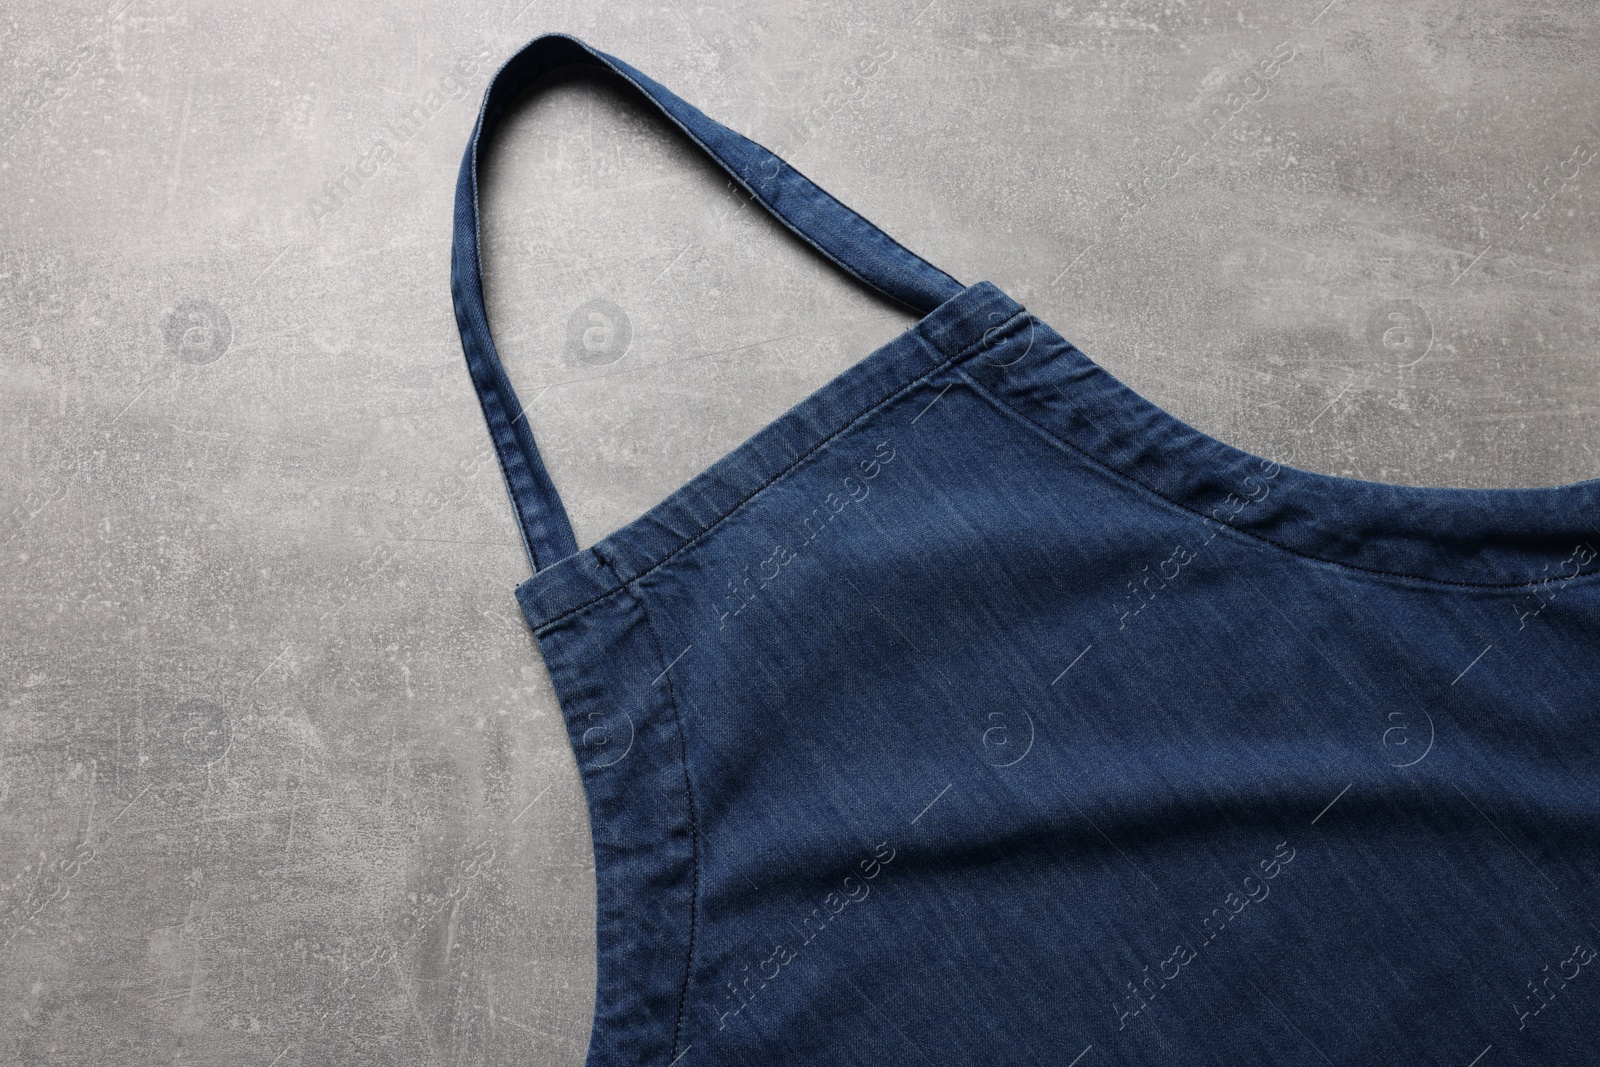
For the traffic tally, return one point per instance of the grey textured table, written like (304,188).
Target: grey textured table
(282,779)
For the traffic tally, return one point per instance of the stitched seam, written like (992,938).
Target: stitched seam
(694,827)
(930,372)
(1010,409)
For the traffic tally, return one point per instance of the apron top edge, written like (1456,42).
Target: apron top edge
(953,330)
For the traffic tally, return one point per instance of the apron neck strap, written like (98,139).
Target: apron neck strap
(852,243)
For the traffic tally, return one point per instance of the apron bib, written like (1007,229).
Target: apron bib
(979,711)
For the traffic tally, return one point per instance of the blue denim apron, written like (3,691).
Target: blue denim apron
(979,711)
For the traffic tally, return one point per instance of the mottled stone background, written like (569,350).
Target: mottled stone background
(282,779)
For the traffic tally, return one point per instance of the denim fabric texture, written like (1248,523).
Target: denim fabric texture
(979,711)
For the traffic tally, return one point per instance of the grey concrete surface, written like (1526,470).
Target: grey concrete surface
(282,778)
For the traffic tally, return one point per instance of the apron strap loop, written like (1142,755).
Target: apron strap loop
(852,243)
